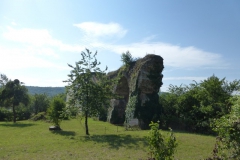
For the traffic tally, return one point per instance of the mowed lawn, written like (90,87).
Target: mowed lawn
(33,140)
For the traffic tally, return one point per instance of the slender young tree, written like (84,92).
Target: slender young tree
(88,87)
(13,94)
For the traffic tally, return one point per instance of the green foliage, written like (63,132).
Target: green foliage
(194,107)
(3,80)
(88,87)
(130,110)
(23,112)
(55,110)
(12,94)
(5,114)
(40,103)
(161,147)
(228,129)
(127,58)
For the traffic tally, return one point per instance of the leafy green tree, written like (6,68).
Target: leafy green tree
(127,58)
(194,107)
(88,87)
(55,110)
(13,94)
(3,80)
(40,103)
(228,129)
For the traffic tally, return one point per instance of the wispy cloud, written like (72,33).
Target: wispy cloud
(173,55)
(17,58)
(38,48)
(38,38)
(94,29)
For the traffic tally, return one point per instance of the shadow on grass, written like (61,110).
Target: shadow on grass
(20,125)
(64,133)
(117,141)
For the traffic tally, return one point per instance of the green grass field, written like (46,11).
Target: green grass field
(33,140)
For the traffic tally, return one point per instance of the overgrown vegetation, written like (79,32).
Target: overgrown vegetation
(127,58)
(130,110)
(228,128)
(195,106)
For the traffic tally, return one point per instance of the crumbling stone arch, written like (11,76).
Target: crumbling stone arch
(142,78)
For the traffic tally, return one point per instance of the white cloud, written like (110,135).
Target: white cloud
(17,59)
(36,37)
(173,55)
(39,38)
(94,29)
(37,48)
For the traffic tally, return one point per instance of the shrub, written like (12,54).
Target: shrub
(228,129)
(5,114)
(55,111)
(161,147)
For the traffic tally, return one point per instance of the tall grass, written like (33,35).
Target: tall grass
(33,140)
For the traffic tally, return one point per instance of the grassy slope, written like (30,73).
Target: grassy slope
(32,140)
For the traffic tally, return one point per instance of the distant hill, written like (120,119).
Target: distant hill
(50,91)
(160,93)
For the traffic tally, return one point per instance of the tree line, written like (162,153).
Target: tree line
(194,107)
(17,104)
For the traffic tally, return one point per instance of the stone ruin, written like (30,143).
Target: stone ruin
(142,78)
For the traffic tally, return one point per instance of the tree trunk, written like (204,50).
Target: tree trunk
(86,122)
(14,114)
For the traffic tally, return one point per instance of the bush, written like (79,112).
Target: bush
(56,109)
(23,112)
(161,147)
(5,114)
(228,129)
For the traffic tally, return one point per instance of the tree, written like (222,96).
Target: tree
(40,103)
(13,94)
(228,129)
(55,110)
(88,87)
(127,58)
(193,107)
(3,80)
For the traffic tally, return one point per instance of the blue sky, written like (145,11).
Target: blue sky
(195,38)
